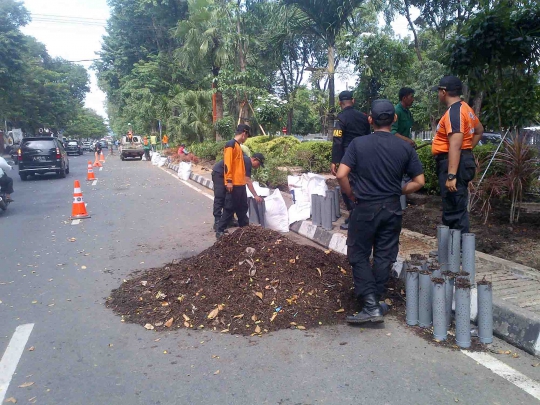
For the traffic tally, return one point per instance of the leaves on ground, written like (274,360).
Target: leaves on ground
(26,384)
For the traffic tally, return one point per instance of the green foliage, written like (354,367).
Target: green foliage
(430,170)
(225,127)
(256,143)
(270,175)
(209,150)
(87,124)
(314,156)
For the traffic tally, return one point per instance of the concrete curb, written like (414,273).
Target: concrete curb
(516,325)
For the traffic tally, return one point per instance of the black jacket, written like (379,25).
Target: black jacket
(350,124)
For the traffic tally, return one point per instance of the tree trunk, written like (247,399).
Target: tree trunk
(415,34)
(217,101)
(331,93)
(477,106)
(290,121)
(244,115)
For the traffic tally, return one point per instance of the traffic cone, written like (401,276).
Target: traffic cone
(97,163)
(102,157)
(90,176)
(78,210)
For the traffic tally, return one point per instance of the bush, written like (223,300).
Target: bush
(255,143)
(430,170)
(314,156)
(208,150)
(270,176)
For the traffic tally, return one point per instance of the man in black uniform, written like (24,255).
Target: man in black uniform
(220,192)
(378,162)
(349,125)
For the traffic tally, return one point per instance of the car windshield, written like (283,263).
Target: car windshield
(41,144)
(72,143)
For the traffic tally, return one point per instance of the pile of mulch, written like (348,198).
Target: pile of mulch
(250,282)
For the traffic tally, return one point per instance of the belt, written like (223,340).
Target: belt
(444,156)
(393,199)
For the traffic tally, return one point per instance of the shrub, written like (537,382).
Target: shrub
(225,127)
(314,156)
(208,150)
(430,170)
(270,176)
(255,143)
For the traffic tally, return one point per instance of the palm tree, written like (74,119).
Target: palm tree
(206,44)
(325,19)
(195,120)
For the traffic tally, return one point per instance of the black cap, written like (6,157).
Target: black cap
(382,109)
(259,157)
(346,95)
(451,83)
(242,127)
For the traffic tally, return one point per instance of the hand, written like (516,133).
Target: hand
(333,169)
(229,187)
(352,198)
(258,199)
(451,185)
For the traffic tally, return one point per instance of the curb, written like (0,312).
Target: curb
(511,323)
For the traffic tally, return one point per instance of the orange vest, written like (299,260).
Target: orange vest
(458,118)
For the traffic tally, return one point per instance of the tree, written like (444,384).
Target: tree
(87,124)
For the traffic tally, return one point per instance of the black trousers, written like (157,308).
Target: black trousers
(373,226)
(6,184)
(219,195)
(455,214)
(235,203)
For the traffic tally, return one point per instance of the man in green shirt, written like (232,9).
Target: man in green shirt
(402,126)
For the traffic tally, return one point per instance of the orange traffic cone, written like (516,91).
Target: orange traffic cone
(97,163)
(102,157)
(78,210)
(90,176)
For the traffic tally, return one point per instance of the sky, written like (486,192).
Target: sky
(73,29)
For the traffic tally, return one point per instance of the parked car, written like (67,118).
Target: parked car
(73,147)
(104,144)
(40,155)
(490,137)
(87,146)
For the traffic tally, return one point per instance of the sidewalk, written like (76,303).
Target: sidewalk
(516,288)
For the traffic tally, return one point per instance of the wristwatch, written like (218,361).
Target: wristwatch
(451,176)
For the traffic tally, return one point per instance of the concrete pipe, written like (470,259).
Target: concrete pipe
(485,311)
(261,208)
(425,309)
(463,313)
(253,215)
(468,259)
(443,233)
(316,218)
(331,195)
(440,329)
(449,281)
(326,212)
(337,193)
(411,291)
(454,250)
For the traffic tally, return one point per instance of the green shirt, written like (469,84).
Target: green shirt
(404,121)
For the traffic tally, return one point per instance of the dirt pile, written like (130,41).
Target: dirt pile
(250,282)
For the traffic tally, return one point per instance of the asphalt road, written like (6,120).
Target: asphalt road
(56,276)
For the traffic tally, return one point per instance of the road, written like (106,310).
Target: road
(56,277)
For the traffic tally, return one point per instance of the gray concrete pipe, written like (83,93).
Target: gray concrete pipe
(443,233)
(411,291)
(454,250)
(463,313)
(440,329)
(425,314)
(468,259)
(485,311)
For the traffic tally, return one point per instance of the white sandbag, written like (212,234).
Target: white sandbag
(184,170)
(162,161)
(276,215)
(298,187)
(261,191)
(155,158)
(316,184)
(143,157)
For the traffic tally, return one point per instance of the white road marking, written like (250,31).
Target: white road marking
(101,168)
(503,370)
(94,182)
(76,222)
(12,355)
(187,184)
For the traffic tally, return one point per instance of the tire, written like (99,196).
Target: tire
(140,157)
(67,170)
(122,158)
(24,176)
(62,173)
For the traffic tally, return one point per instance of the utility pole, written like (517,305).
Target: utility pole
(160,141)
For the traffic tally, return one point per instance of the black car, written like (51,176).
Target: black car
(490,137)
(40,155)
(73,147)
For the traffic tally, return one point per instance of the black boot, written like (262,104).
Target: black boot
(372,311)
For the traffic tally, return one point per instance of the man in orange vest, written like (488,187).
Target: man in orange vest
(165,142)
(146,148)
(458,132)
